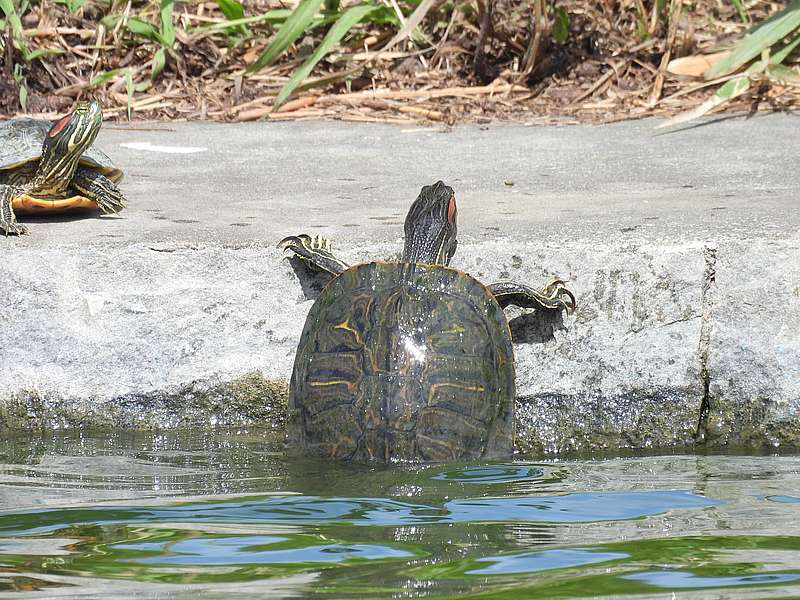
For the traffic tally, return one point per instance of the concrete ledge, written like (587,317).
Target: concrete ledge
(181,313)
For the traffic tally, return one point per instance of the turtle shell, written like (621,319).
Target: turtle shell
(392,368)
(21,143)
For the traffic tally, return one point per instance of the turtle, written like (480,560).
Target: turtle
(52,167)
(409,360)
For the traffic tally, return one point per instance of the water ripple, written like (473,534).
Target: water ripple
(296,509)
(530,562)
(686,579)
(492,474)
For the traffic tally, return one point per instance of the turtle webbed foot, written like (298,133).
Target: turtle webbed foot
(100,189)
(110,205)
(316,251)
(552,296)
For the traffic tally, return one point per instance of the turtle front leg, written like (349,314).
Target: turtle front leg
(99,189)
(315,253)
(8,221)
(553,296)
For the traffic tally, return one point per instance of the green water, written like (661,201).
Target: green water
(226,515)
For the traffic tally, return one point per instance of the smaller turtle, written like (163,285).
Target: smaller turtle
(52,167)
(410,359)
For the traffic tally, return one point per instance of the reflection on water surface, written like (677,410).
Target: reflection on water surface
(226,515)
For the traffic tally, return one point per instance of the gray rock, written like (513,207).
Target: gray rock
(754,345)
(682,251)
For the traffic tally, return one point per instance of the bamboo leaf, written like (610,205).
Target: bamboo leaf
(293,28)
(730,90)
(339,29)
(761,37)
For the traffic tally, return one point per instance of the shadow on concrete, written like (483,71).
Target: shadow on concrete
(536,327)
(312,281)
(63,217)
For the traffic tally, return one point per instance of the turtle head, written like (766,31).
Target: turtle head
(67,140)
(431,226)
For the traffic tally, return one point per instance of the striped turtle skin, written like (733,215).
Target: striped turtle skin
(20,152)
(399,366)
(52,167)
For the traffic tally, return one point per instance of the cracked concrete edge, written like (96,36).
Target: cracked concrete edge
(753,359)
(707,311)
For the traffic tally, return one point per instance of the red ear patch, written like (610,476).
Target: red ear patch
(451,209)
(58,126)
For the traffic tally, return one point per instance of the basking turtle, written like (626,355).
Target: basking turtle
(408,360)
(47,167)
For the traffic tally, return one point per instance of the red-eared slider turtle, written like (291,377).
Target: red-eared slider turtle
(408,360)
(46,166)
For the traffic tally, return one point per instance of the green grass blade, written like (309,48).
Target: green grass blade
(741,10)
(44,52)
(779,56)
(293,28)
(233,11)
(19,78)
(278,15)
(16,26)
(561,26)
(8,9)
(159,62)
(339,29)
(761,37)
(730,90)
(167,26)
(783,75)
(142,28)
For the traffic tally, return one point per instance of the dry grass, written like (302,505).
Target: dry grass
(612,65)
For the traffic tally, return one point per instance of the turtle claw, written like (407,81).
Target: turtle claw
(110,203)
(111,206)
(13,228)
(314,250)
(305,245)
